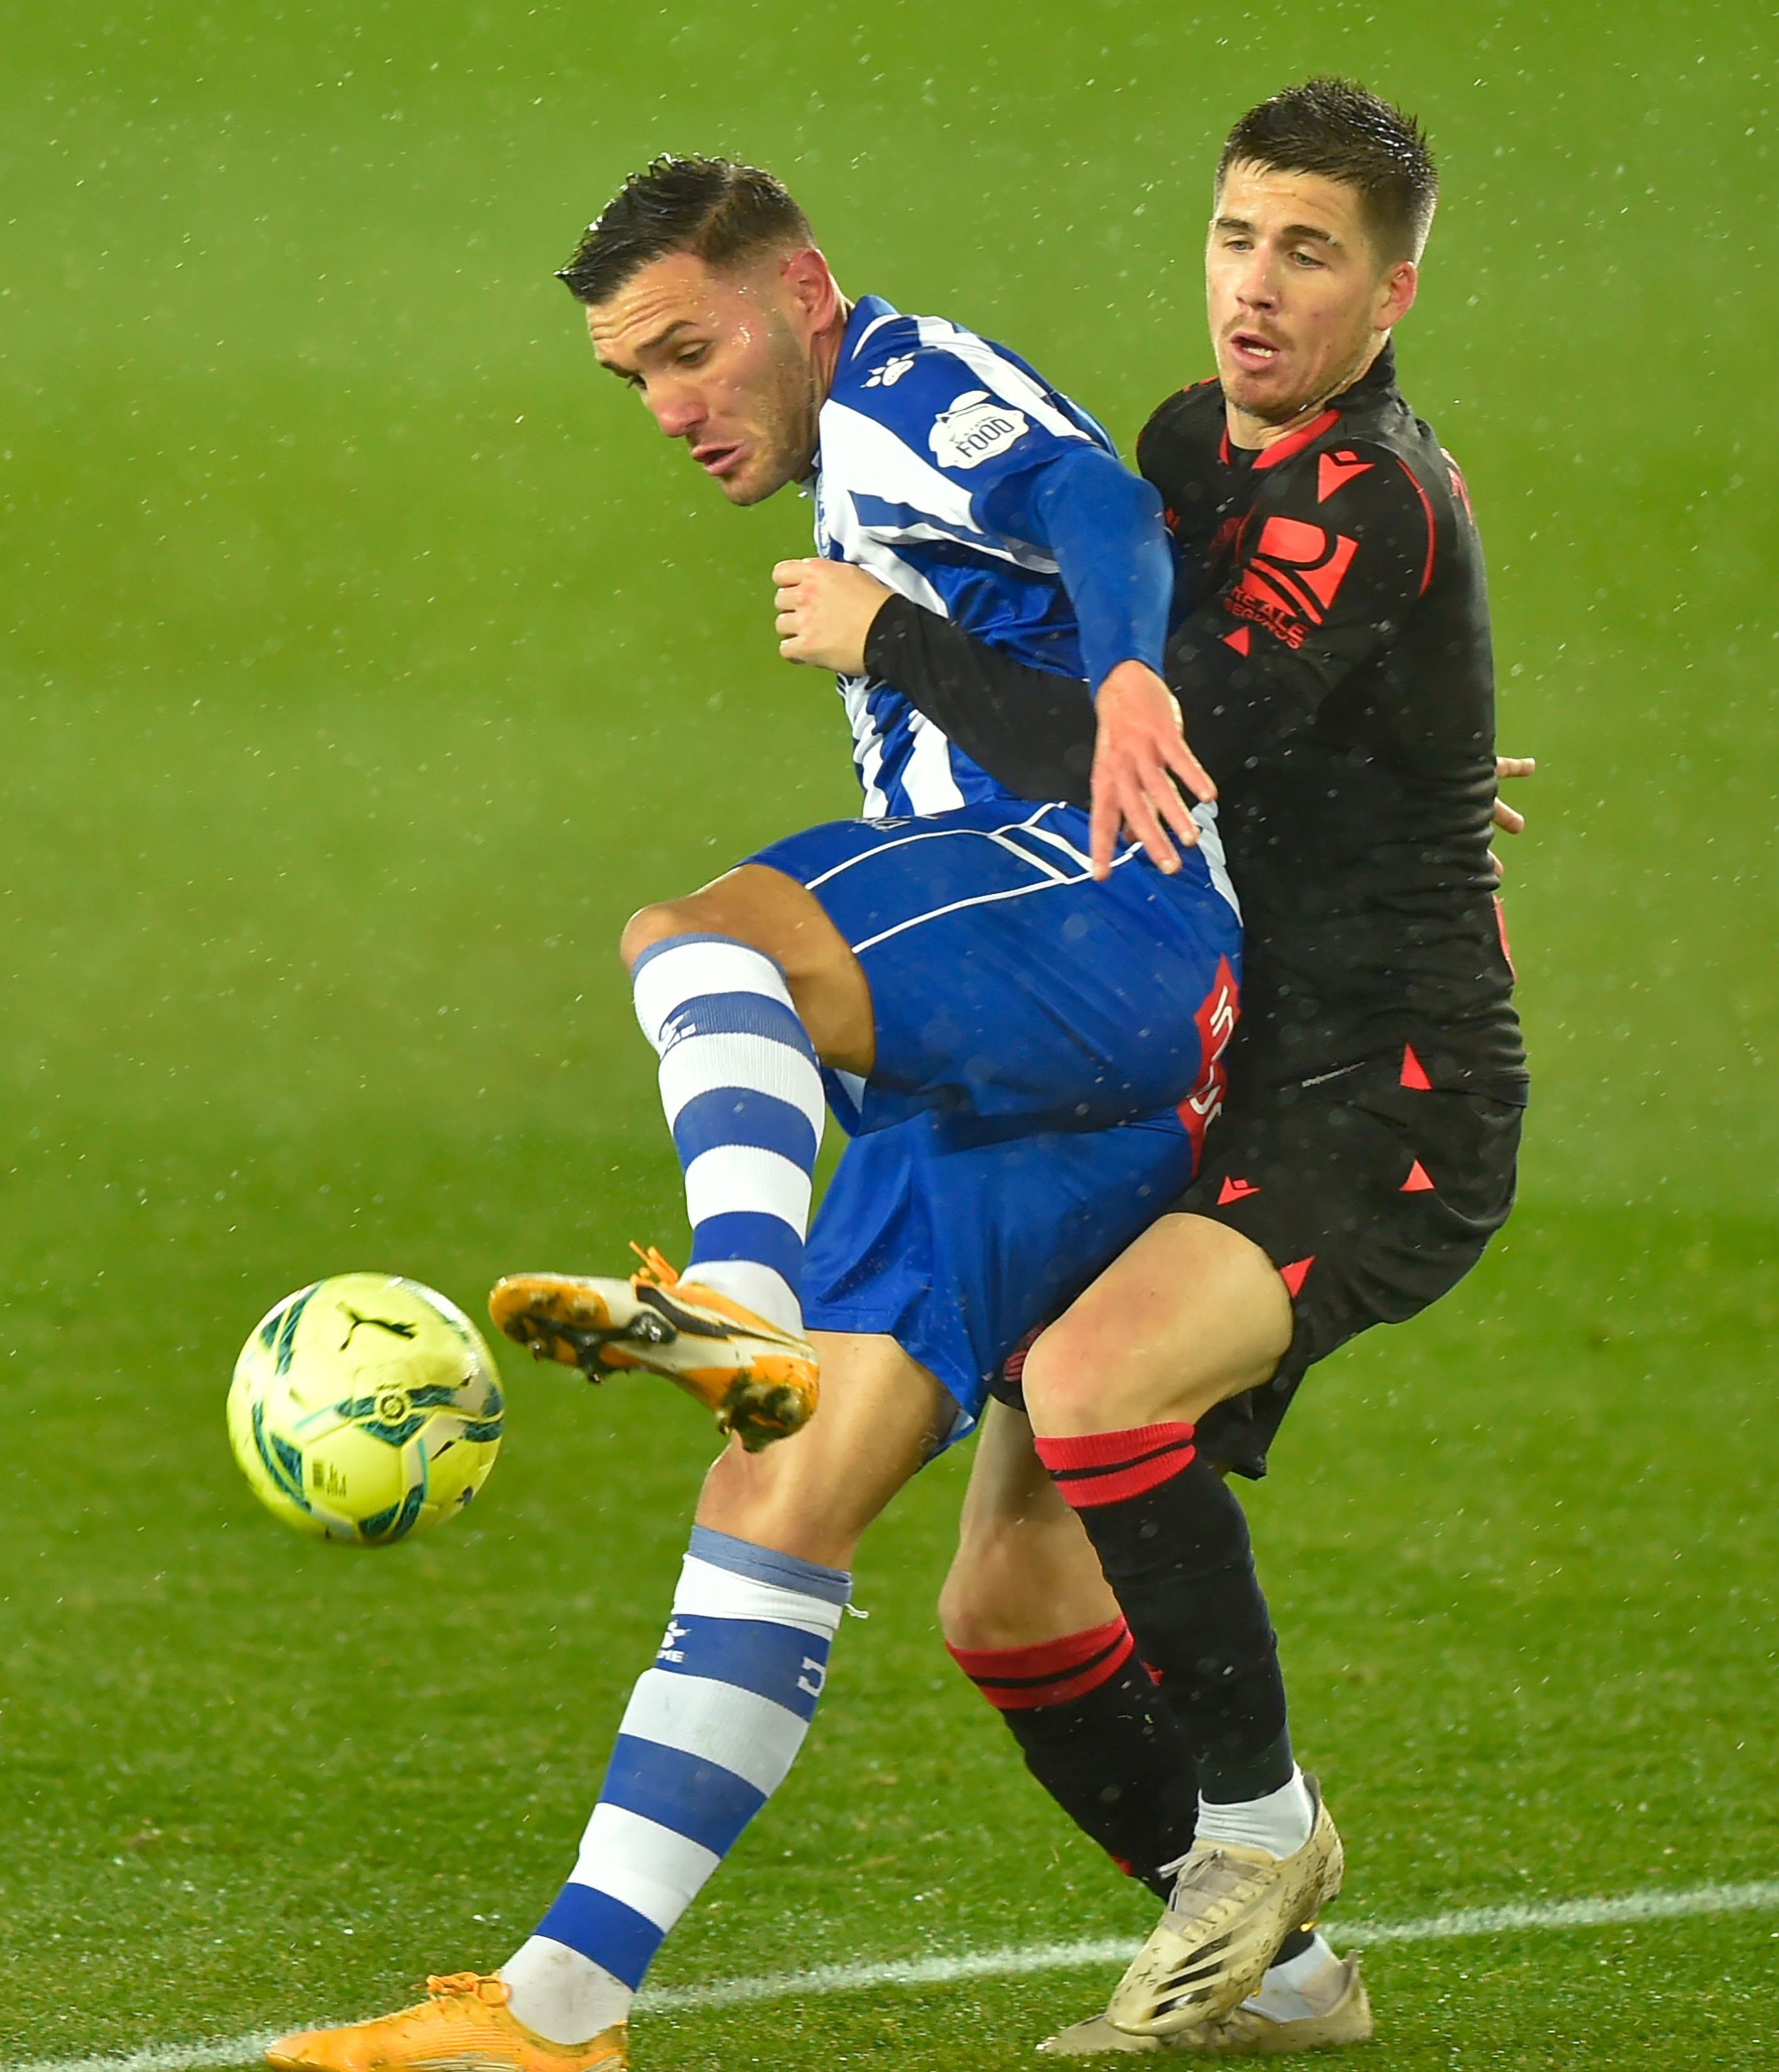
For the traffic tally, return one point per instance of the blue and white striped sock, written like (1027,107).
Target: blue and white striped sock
(709,1734)
(743,1095)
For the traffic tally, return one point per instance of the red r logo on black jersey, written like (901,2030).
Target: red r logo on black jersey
(1290,581)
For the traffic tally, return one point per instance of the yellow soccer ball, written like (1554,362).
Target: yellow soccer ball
(365,1408)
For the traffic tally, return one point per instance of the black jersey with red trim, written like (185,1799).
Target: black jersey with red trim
(1338,681)
(1336,677)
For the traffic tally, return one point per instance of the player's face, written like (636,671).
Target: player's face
(725,361)
(1297,294)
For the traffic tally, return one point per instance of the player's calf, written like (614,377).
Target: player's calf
(710,1733)
(1173,1544)
(742,1096)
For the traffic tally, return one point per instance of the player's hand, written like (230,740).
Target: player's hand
(1505,817)
(1138,751)
(825,610)
(1509,822)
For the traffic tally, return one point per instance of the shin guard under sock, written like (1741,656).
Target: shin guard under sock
(1173,1542)
(709,1734)
(1099,1737)
(742,1093)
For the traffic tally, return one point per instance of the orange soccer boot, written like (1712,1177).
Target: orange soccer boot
(761,1382)
(463,2025)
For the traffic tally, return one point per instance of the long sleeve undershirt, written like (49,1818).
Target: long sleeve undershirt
(1103,525)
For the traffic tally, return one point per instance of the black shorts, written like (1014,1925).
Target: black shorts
(1371,1196)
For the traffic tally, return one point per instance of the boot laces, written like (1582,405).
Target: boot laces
(654,1268)
(1206,1873)
(473,1985)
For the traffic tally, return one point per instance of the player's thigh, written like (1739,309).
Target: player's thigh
(1192,1313)
(882,1416)
(1024,1571)
(1005,982)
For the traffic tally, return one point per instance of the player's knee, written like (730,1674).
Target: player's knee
(1064,1379)
(658,923)
(647,927)
(981,1602)
(760,908)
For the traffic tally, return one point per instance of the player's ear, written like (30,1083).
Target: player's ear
(1400,286)
(810,286)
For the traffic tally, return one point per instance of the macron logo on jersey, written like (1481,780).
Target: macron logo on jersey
(974,428)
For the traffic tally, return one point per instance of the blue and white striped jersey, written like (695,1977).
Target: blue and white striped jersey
(932,443)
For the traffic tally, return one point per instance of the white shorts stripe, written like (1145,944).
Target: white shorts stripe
(690,970)
(1038,863)
(645,1865)
(709,1592)
(720,1723)
(732,1178)
(697,1064)
(997,836)
(1210,847)
(981,899)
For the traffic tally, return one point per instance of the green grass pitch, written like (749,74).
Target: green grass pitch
(365,661)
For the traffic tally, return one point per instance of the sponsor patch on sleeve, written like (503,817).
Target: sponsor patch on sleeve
(974,430)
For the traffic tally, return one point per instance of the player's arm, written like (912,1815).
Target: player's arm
(1103,526)
(1030,730)
(1251,666)
(1034,731)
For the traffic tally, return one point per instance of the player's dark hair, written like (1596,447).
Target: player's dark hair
(715,208)
(1336,127)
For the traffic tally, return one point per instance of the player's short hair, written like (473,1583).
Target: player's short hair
(1336,127)
(720,211)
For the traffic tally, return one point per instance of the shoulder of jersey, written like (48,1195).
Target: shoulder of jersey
(905,366)
(1342,470)
(1192,415)
(892,337)
(911,375)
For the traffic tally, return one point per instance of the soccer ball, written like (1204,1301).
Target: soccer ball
(365,1408)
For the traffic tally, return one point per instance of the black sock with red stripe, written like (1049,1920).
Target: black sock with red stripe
(1173,1541)
(1099,1737)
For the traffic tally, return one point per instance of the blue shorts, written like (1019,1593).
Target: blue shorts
(957,1248)
(1009,986)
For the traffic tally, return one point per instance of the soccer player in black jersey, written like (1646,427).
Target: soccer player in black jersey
(1333,666)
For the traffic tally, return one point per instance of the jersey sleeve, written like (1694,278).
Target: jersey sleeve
(1103,525)
(1017,466)
(1307,600)
(1333,558)
(971,415)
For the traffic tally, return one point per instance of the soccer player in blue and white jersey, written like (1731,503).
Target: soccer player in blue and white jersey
(973,967)
(1017,1020)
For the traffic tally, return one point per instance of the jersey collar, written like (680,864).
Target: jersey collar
(868,312)
(1379,379)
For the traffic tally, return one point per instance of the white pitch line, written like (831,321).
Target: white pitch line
(1013,1963)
